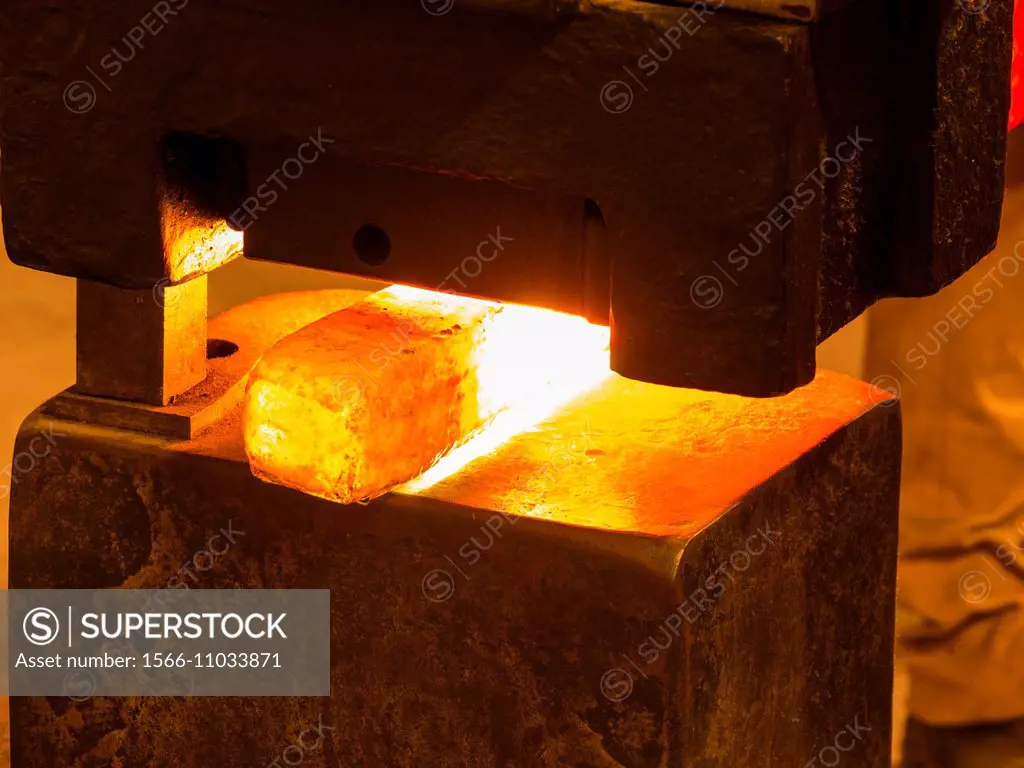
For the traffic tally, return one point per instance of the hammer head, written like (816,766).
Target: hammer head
(724,190)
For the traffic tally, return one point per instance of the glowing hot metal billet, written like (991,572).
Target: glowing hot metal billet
(371,396)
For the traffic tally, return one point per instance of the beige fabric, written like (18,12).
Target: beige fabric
(958,361)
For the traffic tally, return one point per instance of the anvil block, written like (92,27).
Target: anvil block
(651,577)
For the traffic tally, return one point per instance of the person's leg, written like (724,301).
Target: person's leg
(957,360)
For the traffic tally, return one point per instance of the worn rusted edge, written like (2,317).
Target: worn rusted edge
(805,11)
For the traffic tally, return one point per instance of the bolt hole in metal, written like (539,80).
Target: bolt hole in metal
(217,349)
(372,245)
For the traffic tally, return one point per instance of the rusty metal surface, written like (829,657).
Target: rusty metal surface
(476,623)
(472,237)
(787,10)
(144,346)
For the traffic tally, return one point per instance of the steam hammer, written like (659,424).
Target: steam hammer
(661,200)
(632,192)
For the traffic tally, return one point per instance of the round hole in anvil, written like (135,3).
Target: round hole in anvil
(218,348)
(371,244)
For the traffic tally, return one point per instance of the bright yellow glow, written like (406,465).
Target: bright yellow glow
(529,362)
(217,248)
(373,396)
(197,247)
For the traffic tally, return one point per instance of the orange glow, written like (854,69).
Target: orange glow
(654,460)
(369,397)
(195,244)
(204,251)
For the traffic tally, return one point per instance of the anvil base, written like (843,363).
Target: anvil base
(653,577)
